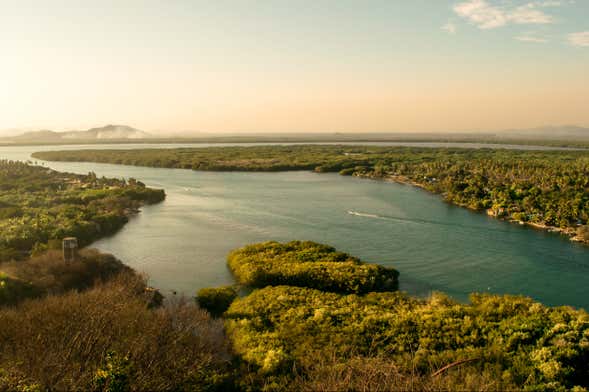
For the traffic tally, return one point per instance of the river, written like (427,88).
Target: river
(182,243)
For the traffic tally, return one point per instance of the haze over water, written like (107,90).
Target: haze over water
(182,243)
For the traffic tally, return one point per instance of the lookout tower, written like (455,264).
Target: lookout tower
(70,249)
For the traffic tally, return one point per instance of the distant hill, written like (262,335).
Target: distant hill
(108,132)
(561,135)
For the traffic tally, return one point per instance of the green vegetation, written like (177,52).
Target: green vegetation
(298,337)
(529,345)
(317,319)
(105,334)
(216,300)
(308,264)
(39,207)
(542,188)
(91,323)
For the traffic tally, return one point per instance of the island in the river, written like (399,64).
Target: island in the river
(544,189)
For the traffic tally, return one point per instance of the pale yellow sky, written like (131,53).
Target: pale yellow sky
(344,66)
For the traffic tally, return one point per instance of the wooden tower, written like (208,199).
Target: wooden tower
(70,249)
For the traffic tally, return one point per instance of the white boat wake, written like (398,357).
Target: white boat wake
(365,215)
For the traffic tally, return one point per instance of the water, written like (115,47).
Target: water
(182,243)
(378,144)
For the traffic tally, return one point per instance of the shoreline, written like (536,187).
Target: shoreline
(569,232)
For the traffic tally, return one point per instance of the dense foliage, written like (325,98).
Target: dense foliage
(546,188)
(308,264)
(305,335)
(533,346)
(216,300)
(39,207)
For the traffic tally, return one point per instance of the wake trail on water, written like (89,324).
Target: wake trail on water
(421,221)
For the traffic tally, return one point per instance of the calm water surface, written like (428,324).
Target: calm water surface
(182,243)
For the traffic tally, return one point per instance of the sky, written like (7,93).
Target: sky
(294,65)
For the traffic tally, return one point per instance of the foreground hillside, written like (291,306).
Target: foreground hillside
(113,334)
(545,189)
(110,336)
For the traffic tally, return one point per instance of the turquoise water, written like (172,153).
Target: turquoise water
(182,243)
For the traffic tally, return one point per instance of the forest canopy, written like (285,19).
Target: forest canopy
(39,207)
(301,322)
(523,343)
(308,264)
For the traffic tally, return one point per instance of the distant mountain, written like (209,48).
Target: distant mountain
(566,133)
(108,132)
(44,135)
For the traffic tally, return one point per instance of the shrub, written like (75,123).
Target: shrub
(216,300)
(49,274)
(107,338)
(13,290)
(361,373)
(114,376)
(308,264)
(583,232)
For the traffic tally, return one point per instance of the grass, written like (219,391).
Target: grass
(107,338)
(48,274)
(380,374)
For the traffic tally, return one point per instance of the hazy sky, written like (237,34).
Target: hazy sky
(293,65)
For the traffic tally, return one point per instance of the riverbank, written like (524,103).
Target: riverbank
(541,189)
(570,233)
(39,207)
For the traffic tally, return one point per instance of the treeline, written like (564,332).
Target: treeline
(39,207)
(292,337)
(544,188)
